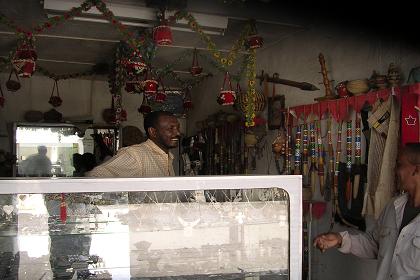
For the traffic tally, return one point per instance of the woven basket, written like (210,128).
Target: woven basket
(241,102)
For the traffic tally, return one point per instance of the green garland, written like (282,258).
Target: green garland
(251,94)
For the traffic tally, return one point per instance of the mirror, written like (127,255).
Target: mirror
(61,150)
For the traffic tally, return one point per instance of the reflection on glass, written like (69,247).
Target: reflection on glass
(61,150)
(230,234)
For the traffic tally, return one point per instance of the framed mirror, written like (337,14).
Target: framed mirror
(61,150)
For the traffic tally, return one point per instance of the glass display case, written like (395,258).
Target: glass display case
(218,227)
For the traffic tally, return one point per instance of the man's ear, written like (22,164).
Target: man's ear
(152,132)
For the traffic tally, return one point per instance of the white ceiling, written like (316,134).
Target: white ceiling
(75,46)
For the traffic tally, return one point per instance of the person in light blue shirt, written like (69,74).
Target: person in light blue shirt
(395,240)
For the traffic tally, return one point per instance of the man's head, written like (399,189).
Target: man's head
(163,129)
(408,167)
(42,150)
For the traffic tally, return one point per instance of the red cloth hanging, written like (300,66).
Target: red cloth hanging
(63,209)
(410,127)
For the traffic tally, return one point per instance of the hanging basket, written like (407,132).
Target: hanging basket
(144,107)
(135,64)
(55,100)
(162,35)
(187,102)
(150,87)
(13,85)
(254,41)
(160,96)
(195,69)
(259,102)
(24,61)
(227,96)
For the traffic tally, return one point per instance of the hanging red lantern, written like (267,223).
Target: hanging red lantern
(150,85)
(162,34)
(55,100)
(195,69)
(25,56)
(254,41)
(13,85)
(227,96)
(144,107)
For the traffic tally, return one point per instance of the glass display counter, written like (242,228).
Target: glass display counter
(216,227)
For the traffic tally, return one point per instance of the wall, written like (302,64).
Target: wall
(349,54)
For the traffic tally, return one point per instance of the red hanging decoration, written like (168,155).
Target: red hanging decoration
(25,57)
(160,96)
(134,65)
(133,85)
(13,85)
(63,209)
(162,34)
(254,41)
(145,107)
(195,68)
(227,96)
(55,100)
(187,104)
(150,85)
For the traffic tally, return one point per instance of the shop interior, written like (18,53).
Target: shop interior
(319,93)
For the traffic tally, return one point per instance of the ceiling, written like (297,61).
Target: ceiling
(75,46)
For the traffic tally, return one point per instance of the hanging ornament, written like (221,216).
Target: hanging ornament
(160,96)
(13,85)
(25,56)
(150,85)
(227,96)
(55,100)
(162,34)
(134,65)
(254,41)
(133,85)
(144,107)
(195,68)
(187,104)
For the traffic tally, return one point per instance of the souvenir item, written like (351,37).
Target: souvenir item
(162,34)
(297,150)
(358,87)
(357,156)
(320,147)
(195,69)
(393,76)
(13,85)
(312,145)
(55,100)
(341,89)
(349,154)
(227,96)
(134,65)
(24,59)
(144,107)
(327,84)
(254,41)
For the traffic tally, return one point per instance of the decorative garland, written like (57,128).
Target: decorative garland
(135,44)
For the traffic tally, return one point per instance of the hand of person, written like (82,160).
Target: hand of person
(326,241)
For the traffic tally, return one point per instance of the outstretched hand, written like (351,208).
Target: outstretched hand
(326,241)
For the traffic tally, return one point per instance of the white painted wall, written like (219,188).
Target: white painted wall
(349,54)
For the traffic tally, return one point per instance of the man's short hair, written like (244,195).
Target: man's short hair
(42,149)
(412,151)
(152,119)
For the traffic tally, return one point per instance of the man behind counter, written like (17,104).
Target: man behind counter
(150,158)
(395,241)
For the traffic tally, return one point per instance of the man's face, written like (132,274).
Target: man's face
(406,173)
(166,134)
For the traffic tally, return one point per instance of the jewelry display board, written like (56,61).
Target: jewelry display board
(223,227)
